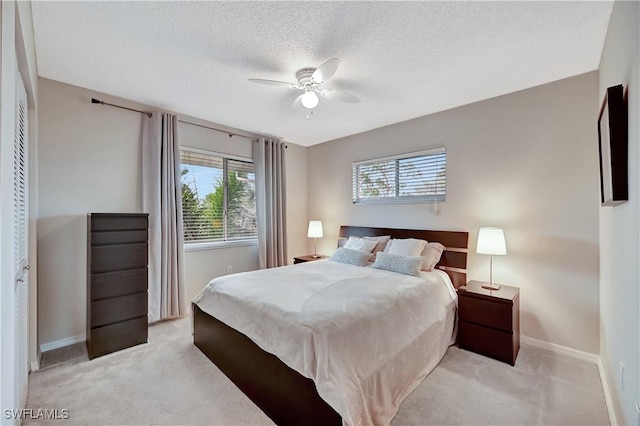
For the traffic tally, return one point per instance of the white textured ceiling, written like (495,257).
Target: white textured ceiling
(403,59)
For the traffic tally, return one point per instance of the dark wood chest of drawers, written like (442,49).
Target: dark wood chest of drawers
(489,321)
(117,278)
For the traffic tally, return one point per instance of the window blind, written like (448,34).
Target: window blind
(414,177)
(241,200)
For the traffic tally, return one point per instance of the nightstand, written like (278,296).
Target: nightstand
(489,321)
(308,258)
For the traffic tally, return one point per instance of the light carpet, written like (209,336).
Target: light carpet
(169,381)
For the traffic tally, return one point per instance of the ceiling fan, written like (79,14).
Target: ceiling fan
(311,81)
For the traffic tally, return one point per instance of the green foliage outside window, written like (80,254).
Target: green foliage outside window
(203,208)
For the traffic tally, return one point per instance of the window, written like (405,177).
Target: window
(218,198)
(416,177)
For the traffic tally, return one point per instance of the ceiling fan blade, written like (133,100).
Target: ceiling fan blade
(297,104)
(273,83)
(325,71)
(339,95)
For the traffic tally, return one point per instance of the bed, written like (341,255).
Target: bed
(303,350)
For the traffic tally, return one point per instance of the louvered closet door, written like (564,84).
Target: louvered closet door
(21,238)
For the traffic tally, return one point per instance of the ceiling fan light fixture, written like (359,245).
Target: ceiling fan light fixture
(309,100)
(311,83)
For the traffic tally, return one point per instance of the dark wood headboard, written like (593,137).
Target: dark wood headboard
(454,257)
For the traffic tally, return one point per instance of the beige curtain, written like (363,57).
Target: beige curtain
(161,193)
(271,206)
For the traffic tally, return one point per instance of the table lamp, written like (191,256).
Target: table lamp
(315,231)
(491,242)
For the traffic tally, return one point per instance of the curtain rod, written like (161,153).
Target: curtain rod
(231,134)
(149,114)
(96,101)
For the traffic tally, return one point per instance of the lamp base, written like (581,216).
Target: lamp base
(492,287)
(316,256)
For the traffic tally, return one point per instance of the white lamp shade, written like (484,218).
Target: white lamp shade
(315,229)
(309,100)
(491,241)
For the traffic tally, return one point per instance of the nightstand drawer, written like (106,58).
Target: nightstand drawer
(486,312)
(493,343)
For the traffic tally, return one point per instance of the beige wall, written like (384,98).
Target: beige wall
(202,266)
(620,228)
(297,219)
(527,162)
(90,162)
(89,158)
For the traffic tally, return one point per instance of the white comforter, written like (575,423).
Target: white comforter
(366,337)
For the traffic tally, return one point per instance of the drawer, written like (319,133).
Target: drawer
(493,343)
(486,312)
(119,283)
(118,257)
(118,336)
(118,223)
(118,237)
(116,309)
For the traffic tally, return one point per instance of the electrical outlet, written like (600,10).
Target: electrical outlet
(621,376)
(229,269)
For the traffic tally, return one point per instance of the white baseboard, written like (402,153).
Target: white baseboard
(607,394)
(584,356)
(62,343)
(559,349)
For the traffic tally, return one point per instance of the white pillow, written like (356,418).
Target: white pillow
(405,247)
(360,244)
(381,244)
(432,253)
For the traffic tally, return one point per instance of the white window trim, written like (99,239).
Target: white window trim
(420,199)
(216,245)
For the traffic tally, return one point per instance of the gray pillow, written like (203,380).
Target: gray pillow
(408,265)
(353,257)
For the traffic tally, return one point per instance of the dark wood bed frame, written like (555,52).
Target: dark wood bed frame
(284,395)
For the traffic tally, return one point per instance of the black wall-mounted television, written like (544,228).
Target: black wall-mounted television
(614,147)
